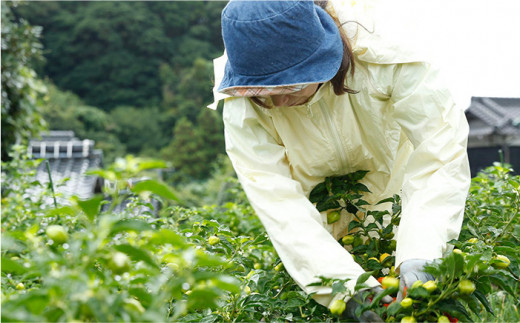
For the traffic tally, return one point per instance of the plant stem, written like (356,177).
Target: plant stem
(506,227)
(443,295)
(51,184)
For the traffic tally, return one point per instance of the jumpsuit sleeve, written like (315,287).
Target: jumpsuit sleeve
(437,175)
(292,222)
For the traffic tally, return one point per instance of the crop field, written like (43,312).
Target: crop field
(90,260)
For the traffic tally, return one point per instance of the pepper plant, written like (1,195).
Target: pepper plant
(464,278)
(91,260)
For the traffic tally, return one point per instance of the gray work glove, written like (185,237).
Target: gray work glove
(368,316)
(411,271)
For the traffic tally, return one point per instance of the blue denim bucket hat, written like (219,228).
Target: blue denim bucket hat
(279,43)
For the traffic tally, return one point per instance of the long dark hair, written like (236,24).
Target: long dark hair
(347,62)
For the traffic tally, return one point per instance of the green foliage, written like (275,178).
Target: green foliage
(19,203)
(106,266)
(365,241)
(185,151)
(490,233)
(109,53)
(221,187)
(66,111)
(216,263)
(127,68)
(186,93)
(492,210)
(139,129)
(492,218)
(267,292)
(194,149)
(21,90)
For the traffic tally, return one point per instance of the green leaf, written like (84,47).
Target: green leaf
(363,278)
(387,200)
(142,294)
(473,304)
(136,254)
(12,267)
(151,164)
(318,193)
(502,283)
(315,284)
(36,301)
(69,210)
(363,307)
(484,285)
(91,206)
(483,300)
(130,225)
(327,205)
(228,283)
(358,175)
(507,250)
(362,202)
(203,298)
(12,244)
(204,260)
(338,287)
(393,308)
(418,292)
(165,236)
(449,262)
(106,174)
(454,308)
(256,300)
(33,301)
(516,185)
(354,224)
(458,264)
(361,188)
(371,226)
(379,297)
(155,187)
(351,208)
(11,313)
(293,301)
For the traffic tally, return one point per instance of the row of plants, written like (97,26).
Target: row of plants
(86,261)
(92,261)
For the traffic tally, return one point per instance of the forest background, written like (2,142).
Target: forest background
(133,76)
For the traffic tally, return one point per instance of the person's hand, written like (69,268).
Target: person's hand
(411,271)
(367,316)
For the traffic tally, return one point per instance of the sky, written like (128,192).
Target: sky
(475,42)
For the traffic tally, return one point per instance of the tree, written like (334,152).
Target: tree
(63,110)
(139,129)
(210,130)
(186,94)
(109,53)
(147,65)
(21,90)
(185,153)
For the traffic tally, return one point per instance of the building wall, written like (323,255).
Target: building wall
(482,157)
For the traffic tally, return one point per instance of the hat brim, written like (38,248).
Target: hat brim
(319,67)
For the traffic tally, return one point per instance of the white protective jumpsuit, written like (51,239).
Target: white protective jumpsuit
(402,126)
